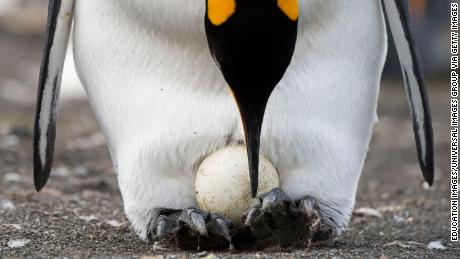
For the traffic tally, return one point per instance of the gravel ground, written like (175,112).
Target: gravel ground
(80,212)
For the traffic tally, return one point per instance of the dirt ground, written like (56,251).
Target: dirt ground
(80,211)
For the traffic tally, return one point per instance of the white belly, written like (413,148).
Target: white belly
(146,82)
(147,71)
(158,95)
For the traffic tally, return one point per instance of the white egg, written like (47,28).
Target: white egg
(222,182)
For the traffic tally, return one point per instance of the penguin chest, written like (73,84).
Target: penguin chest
(145,71)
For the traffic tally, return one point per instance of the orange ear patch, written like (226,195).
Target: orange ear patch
(219,11)
(290,8)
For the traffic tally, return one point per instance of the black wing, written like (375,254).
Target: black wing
(398,18)
(57,36)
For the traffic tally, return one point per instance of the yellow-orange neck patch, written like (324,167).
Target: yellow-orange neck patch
(290,8)
(219,11)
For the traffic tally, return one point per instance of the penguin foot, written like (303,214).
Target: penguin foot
(325,229)
(191,229)
(276,220)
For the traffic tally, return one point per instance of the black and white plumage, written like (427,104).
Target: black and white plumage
(160,116)
(399,21)
(57,36)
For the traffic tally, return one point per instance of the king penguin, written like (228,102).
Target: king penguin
(296,81)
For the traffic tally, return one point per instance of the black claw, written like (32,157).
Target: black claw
(250,215)
(275,220)
(270,221)
(274,198)
(161,226)
(306,207)
(195,220)
(191,229)
(221,226)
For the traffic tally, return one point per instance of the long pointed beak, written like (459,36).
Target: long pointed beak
(253,43)
(252,113)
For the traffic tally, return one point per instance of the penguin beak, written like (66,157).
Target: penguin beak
(252,43)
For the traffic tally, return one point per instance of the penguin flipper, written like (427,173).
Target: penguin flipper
(60,14)
(397,15)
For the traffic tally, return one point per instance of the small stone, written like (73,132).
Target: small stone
(18,243)
(114,223)
(9,141)
(88,218)
(397,243)
(399,218)
(12,178)
(158,247)
(437,245)
(61,171)
(367,212)
(391,208)
(202,254)
(6,205)
(15,226)
(410,220)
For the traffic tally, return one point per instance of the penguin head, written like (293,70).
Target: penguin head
(252,42)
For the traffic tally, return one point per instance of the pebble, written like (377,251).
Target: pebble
(399,218)
(367,212)
(158,247)
(9,141)
(18,243)
(397,243)
(436,245)
(12,178)
(88,218)
(202,254)
(114,223)
(6,205)
(15,226)
(61,171)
